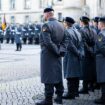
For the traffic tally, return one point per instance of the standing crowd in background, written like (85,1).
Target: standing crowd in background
(82,46)
(20,34)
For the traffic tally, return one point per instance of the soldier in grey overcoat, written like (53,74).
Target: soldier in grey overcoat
(1,35)
(18,40)
(95,24)
(100,60)
(12,37)
(72,69)
(88,62)
(8,34)
(53,47)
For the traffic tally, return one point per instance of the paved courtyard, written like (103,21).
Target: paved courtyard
(20,78)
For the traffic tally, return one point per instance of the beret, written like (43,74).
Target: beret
(84,19)
(48,10)
(69,20)
(102,19)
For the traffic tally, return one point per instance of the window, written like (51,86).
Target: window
(85,2)
(44,3)
(60,16)
(12,4)
(50,3)
(0,4)
(27,19)
(12,19)
(100,4)
(0,20)
(59,0)
(41,4)
(27,4)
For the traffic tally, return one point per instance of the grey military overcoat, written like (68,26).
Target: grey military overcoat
(71,60)
(52,40)
(100,57)
(88,63)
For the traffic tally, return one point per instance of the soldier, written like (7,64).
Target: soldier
(97,30)
(1,35)
(24,35)
(8,33)
(18,40)
(100,60)
(53,46)
(72,68)
(32,33)
(12,37)
(95,24)
(37,34)
(30,36)
(88,63)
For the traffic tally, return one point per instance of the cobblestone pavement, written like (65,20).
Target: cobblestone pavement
(20,78)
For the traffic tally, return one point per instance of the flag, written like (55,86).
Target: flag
(4,23)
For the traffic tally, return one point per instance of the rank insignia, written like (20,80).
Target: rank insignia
(100,39)
(44,29)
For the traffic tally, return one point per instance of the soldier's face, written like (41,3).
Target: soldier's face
(45,16)
(81,24)
(95,24)
(65,24)
(100,25)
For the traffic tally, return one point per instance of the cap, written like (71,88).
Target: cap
(48,10)
(69,20)
(96,19)
(102,19)
(84,19)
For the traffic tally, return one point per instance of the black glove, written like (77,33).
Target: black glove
(81,56)
(62,54)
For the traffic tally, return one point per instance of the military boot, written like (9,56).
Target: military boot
(47,101)
(100,101)
(68,96)
(58,100)
(76,88)
(84,90)
(71,91)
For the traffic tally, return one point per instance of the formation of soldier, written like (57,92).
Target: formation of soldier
(29,33)
(82,46)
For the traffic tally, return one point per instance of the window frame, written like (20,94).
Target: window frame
(12,4)
(26,6)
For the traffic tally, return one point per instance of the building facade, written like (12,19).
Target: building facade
(29,11)
(96,7)
(20,11)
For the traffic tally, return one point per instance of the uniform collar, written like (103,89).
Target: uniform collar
(51,19)
(86,26)
(69,27)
